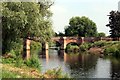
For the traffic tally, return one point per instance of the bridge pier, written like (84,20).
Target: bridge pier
(64,43)
(26,48)
(45,46)
(82,40)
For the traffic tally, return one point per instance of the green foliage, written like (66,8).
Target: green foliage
(19,62)
(9,74)
(35,47)
(85,46)
(56,73)
(81,26)
(99,44)
(101,34)
(33,62)
(23,19)
(8,60)
(59,34)
(72,48)
(114,24)
(113,50)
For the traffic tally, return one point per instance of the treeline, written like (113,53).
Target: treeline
(81,26)
(21,20)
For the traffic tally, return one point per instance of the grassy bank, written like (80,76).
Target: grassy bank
(111,48)
(10,71)
(14,66)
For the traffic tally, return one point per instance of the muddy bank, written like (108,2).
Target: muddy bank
(96,50)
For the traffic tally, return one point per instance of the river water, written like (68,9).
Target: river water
(81,65)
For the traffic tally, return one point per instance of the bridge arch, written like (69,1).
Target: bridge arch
(72,43)
(57,43)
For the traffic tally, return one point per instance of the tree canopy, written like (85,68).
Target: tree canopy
(114,24)
(101,34)
(26,19)
(81,26)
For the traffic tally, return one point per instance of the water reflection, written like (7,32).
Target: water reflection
(80,65)
(115,68)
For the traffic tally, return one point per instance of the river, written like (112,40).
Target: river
(81,65)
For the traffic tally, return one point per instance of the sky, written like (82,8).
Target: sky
(96,10)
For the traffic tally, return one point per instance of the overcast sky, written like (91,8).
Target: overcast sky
(96,10)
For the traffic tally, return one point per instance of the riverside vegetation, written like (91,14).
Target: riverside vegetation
(111,48)
(15,67)
(21,20)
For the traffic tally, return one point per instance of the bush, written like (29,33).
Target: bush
(8,60)
(113,50)
(19,62)
(56,73)
(33,62)
(85,46)
(99,44)
(35,47)
(72,48)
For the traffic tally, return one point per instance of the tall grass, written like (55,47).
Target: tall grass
(33,62)
(10,74)
(56,73)
(15,56)
(113,50)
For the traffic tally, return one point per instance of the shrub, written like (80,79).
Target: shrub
(110,50)
(33,62)
(113,50)
(8,60)
(35,47)
(56,73)
(99,44)
(19,62)
(85,46)
(72,48)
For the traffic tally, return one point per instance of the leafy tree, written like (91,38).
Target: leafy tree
(25,19)
(101,34)
(114,24)
(81,26)
(59,34)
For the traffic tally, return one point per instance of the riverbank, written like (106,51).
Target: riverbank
(96,50)
(111,48)
(10,71)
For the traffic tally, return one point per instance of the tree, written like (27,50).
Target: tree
(59,34)
(25,19)
(101,34)
(81,26)
(114,24)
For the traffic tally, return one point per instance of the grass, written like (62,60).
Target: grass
(10,71)
(56,73)
(9,74)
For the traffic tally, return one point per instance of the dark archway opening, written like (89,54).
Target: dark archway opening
(55,45)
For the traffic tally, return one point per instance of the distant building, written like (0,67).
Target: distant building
(119,6)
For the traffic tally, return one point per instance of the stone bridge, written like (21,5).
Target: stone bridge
(64,41)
